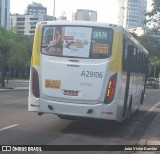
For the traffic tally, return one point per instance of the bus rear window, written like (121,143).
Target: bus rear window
(75,41)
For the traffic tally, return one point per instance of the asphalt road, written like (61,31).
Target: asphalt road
(20,127)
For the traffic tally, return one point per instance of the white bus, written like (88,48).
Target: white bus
(86,70)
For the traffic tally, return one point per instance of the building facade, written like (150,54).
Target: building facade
(132,13)
(85,15)
(136,13)
(26,24)
(5,13)
(36,9)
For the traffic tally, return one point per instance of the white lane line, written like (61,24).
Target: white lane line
(8,127)
(152,108)
(10,103)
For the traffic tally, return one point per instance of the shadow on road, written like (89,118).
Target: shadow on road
(110,129)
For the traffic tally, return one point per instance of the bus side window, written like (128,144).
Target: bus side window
(137,52)
(135,60)
(144,64)
(131,58)
(125,55)
(138,61)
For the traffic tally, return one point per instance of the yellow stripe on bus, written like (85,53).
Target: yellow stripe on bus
(36,47)
(116,57)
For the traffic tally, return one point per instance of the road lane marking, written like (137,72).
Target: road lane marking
(8,127)
(152,108)
(10,103)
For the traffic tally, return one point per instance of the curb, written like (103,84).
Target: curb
(21,81)
(14,89)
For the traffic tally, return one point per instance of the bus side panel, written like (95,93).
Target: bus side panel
(136,87)
(132,78)
(33,102)
(112,110)
(116,57)
(36,47)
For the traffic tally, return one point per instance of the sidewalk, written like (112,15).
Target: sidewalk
(15,85)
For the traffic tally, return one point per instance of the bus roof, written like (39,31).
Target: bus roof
(81,23)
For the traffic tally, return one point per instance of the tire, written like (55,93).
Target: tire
(142,98)
(129,113)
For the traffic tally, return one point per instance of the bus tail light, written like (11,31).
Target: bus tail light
(35,83)
(111,89)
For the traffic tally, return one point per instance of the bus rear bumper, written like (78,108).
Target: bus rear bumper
(33,104)
(73,109)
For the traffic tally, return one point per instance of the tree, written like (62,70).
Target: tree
(152,44)
(154,15)
(154,19)
(15,52)
(4,49)
(20,53)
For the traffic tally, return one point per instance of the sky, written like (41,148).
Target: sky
(107,10)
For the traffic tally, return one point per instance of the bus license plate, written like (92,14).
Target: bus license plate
(53,84)
(70,92)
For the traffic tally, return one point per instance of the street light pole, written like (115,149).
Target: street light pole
(123,12)
(54,9)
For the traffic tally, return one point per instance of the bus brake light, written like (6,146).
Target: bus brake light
(111,89)
(35,83)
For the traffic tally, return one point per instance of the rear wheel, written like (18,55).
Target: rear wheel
(129,113)
(142,97)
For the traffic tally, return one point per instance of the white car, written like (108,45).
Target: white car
(152,83)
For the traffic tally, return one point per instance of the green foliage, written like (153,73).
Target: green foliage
(20,53)
(15,52)
(154,15)
(153,46)
(4,39)
(5,46)
(155,61)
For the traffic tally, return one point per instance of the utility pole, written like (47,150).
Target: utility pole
(123,12)
(54,10)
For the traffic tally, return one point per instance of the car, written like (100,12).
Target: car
(152,83)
